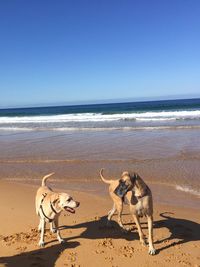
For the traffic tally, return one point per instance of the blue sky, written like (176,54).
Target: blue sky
(71,51)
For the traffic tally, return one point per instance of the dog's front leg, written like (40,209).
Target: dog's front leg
(152,250)
(42,227)
(141,234)
(58,232)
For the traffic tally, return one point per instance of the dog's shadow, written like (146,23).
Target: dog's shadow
(181,230)
(98,229)
(95,229)
(40,257)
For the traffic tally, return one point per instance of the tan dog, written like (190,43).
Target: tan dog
(140,201)
(49,206)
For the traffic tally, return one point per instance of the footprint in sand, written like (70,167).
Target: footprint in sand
(127,251)
(107,243)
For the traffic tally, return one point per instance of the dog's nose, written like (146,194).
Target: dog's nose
(77,203)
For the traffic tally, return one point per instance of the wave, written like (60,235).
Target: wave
(71,129)
(10,128)
(187,189)
(100,117)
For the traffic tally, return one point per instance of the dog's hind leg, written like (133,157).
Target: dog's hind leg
(52,227)
(116,206)
(119,207)
(42,225)
(152,250)
(111,213)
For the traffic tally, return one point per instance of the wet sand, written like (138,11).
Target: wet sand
(168,160)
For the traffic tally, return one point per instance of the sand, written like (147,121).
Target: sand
(88,241)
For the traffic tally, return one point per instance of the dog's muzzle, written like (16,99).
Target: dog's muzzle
(77,204)
(121,189)
(72,210)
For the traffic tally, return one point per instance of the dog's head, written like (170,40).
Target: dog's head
(126,183)
(66,202)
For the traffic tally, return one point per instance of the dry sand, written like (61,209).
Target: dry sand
(88,241)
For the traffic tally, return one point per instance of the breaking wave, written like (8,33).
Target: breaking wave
(188,189)
(100,117)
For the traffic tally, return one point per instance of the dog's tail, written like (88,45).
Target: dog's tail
(164,215)
(45,178)
(103,179)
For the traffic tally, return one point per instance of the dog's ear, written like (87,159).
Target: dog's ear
(56,198)
(125,173)
(120,181)
(133,177)
(140,185)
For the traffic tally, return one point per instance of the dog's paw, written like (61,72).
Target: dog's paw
(53,230)
(143,242)
(152,251)
(41,244)
(62,241)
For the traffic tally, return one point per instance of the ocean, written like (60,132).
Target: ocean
(157,139)
(134,115)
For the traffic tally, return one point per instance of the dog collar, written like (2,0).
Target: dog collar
(49,219)
(51,205)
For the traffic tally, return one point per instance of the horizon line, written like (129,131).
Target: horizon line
(104,102)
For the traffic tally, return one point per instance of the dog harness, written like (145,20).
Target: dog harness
(49,219)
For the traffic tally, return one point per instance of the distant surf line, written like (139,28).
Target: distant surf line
(100,117)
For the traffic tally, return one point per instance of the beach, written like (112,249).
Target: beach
(100,102)
(164,152)
(26,157)
(88,241)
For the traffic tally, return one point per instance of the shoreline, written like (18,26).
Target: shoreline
(161,157)
(177,238)
(163,193)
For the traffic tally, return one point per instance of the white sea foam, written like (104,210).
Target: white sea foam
(10,128)
(168,115)
(68,129)
(156,119)
(99,117)
(188,189)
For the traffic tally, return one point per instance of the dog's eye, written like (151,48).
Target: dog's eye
(69,199)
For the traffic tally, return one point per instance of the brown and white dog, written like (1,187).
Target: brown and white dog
(49,205)
(139,197)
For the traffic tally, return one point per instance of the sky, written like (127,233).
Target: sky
(80,51)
